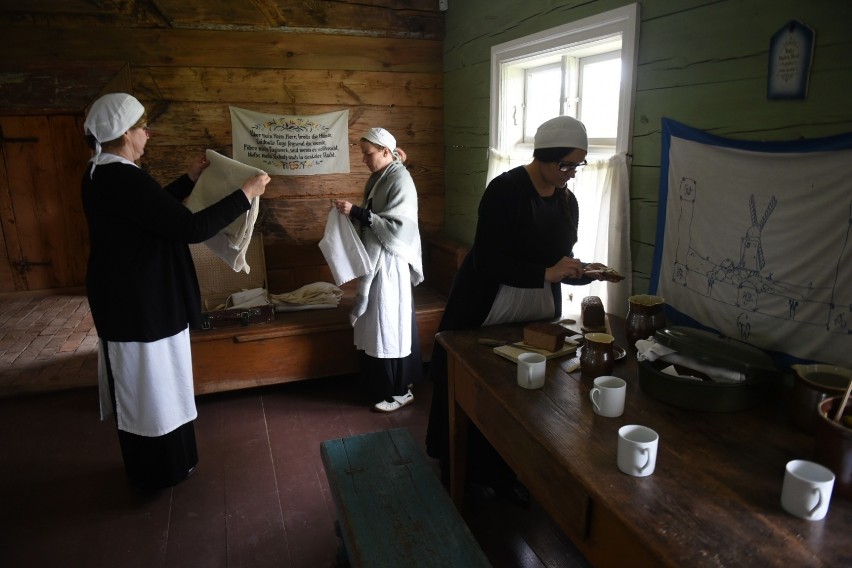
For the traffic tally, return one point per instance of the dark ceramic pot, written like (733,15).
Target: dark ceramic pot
(597,357)
(813,384)
(644,317)
(833,444)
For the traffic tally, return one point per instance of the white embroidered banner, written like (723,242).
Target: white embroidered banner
(292,145)
(754,240)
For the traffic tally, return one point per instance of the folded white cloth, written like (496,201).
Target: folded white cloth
(247,299)
(651,350)
(342,248)
(218,180)
(318,293)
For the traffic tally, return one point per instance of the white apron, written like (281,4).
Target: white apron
(521,304)
(153,384)
(384,330)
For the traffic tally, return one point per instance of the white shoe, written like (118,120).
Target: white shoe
(397,403)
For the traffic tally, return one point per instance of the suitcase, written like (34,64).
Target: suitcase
(218,281)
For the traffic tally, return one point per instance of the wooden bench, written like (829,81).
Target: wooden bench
(391,508)
(314,343)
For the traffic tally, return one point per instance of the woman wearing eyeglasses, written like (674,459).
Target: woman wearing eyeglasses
(521,254)
(143,290)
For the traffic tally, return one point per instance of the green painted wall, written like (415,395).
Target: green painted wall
(701,62)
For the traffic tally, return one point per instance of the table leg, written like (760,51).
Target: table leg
(459,423)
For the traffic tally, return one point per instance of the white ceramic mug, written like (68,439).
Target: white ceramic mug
(531,368)
(807,489)
(607,396)
(637,450)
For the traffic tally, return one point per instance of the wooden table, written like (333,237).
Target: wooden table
(713,500)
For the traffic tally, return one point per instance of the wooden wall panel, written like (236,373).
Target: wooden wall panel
(142,47)
(298,86)
(189,60)
(209,124)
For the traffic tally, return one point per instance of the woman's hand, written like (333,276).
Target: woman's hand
(565,268)
(255,185)
(195,170)
(343,206)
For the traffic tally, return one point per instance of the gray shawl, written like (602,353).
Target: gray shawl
(394,229)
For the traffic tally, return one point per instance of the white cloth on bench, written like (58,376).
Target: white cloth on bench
(218,180)
(318,295)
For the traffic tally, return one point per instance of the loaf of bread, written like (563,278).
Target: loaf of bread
(544,335)
(592,312)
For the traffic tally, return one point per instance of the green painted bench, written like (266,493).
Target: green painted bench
(392,510)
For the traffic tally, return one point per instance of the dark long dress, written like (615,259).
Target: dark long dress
(142,288)
(519,235)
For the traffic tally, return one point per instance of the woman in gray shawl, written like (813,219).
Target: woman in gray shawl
(383,317)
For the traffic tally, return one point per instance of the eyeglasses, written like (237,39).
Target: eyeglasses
(567,167)
(147,130)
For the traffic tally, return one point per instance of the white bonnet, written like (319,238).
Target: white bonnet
(381,137)
(562,132)
(112,115)
(109,117)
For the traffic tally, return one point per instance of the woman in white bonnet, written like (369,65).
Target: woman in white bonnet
(384,320)
(143,290)
(521,254)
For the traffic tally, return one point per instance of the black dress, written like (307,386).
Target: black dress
(142,289)
(519,234)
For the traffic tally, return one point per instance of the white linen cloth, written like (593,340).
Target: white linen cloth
(310,296)
(218,180)
(154,392)
(342,248)
(651,350)
(247,299)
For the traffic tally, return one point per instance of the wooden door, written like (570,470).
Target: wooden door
(44,235)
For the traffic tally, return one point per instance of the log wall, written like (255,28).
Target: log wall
(189,60)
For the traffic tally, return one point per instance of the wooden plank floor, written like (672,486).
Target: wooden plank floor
(259,498)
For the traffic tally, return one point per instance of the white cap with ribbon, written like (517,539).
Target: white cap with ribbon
(111,116)
(381,137)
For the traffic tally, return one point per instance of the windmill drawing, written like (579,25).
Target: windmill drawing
(751,250)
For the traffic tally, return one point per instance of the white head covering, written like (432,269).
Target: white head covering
(109,117)
(381,137)
(562,132)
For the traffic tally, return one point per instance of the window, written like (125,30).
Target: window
(580,84)
(584,69)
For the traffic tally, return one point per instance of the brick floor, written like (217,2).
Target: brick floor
(47,343)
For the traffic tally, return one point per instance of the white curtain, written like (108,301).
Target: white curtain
(602,190)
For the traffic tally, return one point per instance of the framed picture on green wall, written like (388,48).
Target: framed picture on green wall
(791,52)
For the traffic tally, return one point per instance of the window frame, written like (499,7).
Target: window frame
(623,22)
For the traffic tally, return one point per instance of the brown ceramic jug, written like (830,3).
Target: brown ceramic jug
(833,443)
(597,358)
(644,317)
